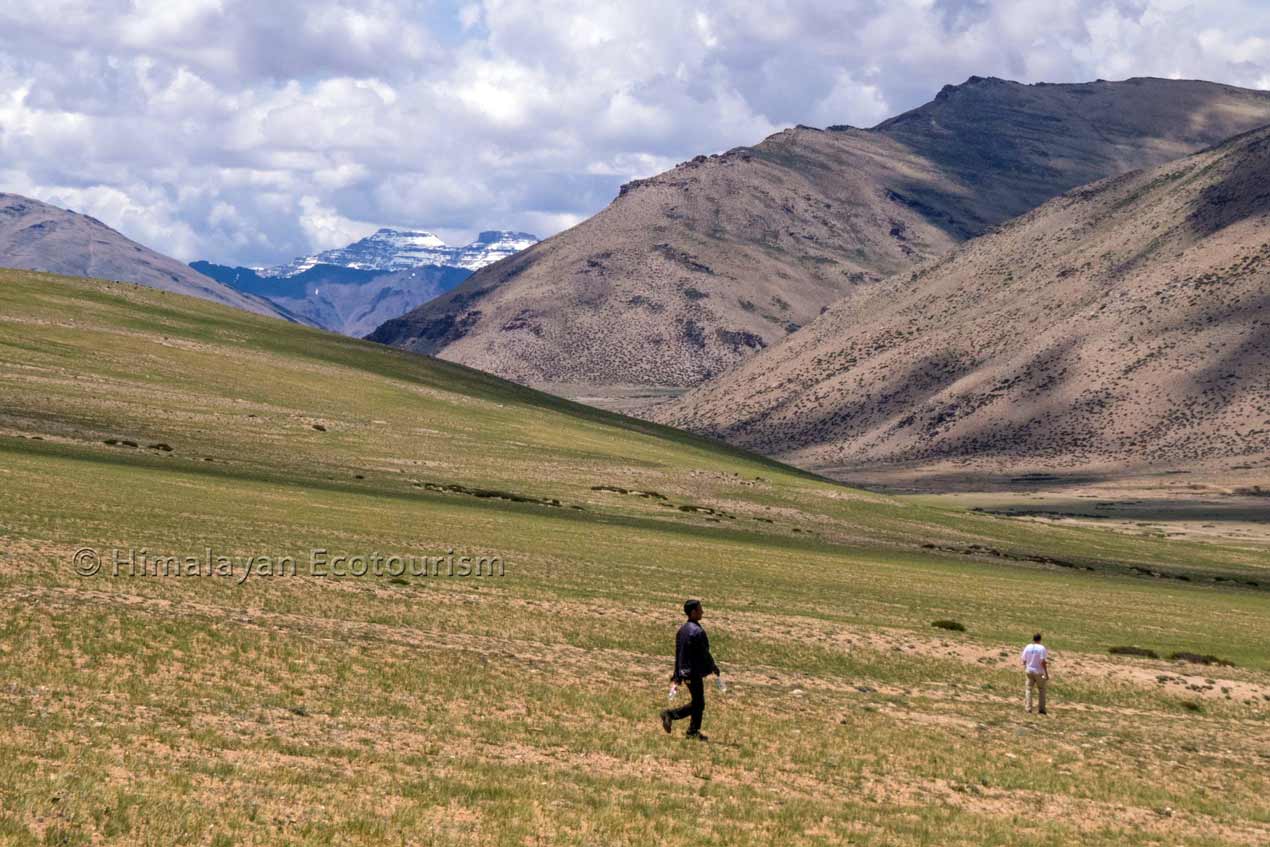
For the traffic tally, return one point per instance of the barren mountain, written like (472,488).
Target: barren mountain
(35,236)
(1125,324)
(689,272)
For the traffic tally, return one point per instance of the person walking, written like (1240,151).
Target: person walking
(1037,666)
(693,663)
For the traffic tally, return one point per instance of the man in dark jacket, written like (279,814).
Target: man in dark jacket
(693,663)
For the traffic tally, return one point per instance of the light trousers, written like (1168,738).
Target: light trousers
(1038,682)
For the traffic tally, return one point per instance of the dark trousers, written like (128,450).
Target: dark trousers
(695,708)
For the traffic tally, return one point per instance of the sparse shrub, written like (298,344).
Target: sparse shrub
(1192,706)
(1133,651)
(955,626)
(1201,659)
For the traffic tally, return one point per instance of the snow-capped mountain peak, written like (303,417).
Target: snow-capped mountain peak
(492,245)
(405,238)
(397,249)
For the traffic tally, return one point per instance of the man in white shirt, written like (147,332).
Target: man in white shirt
(1036,664)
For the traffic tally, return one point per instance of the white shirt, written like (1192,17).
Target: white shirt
(1034,656)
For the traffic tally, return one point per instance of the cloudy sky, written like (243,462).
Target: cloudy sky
(250,132)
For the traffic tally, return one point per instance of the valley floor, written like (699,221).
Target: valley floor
(522,708)
(1218,504)
(381,714)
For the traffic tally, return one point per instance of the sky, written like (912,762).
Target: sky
(251,132)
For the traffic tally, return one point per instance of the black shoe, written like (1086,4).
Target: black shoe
(666,720)
(698,736)
(1042,712)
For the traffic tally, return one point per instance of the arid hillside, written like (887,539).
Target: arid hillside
(688,273)
(36,236)
(1125,324)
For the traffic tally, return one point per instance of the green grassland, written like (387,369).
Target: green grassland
(521,708)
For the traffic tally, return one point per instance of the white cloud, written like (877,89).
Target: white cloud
(252,132)
(327,228)
(470,16)
(864,102)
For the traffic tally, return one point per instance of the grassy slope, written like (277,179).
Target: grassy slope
(520,710)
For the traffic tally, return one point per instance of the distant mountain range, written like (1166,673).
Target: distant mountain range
(351,290)
(351,301)
(355,289)
(690,272)
(399,250)
(1125,325)
(37,236)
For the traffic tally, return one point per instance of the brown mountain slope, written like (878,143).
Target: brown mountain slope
(35,236)
(689,272)
(1126,324)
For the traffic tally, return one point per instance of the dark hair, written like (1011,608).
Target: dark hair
(689,605)
(1036,637)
